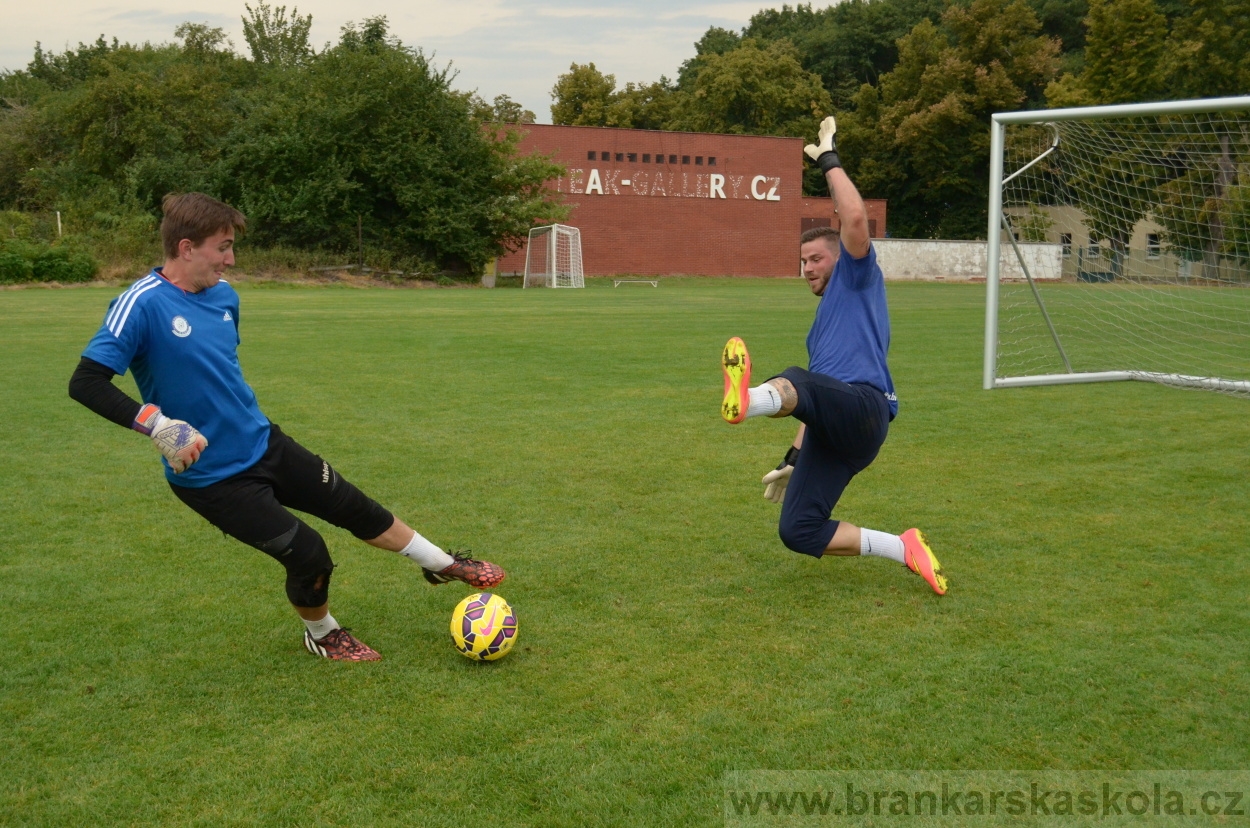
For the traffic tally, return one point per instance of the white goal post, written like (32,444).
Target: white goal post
(1148,208)
(553,257)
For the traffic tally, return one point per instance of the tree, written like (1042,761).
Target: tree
(203,40)
(1123,56)
(922,138)
(847,44)
(504,110)
(581,96)
(1208,55)
(71,66)
(715,41)
(757,89)
(370,129)
(119,130)
(1124,50)
(1208,51)
(275,39)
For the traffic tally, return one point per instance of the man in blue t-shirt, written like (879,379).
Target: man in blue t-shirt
(177,331)
(844,400)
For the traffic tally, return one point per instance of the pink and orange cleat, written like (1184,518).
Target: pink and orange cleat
(921,560)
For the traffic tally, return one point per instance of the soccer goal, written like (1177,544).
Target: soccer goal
(553,257)
(1143,212)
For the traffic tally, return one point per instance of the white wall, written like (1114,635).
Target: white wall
(954,261)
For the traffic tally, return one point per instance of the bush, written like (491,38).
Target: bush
(14,267)
(65,265)
(23,261)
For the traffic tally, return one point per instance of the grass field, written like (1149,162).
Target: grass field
(1094,536)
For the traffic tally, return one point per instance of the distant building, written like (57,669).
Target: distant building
(1091,259)
(670,203)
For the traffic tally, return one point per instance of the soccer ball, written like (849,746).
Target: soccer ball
(483,627)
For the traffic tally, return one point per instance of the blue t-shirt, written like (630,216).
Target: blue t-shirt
(850,336)
(183,350)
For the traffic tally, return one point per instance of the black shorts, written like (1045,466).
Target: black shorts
(252,505)
(846,426)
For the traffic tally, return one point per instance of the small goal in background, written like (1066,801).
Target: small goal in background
(553,257)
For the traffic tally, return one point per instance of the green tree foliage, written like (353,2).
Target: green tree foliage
(275,39)
(646,106)
(1123,56)
(202,40)
(370,129)
(1209,50)
(304,143)
(756,89)
(110,129)
(1129,58)
(582,96)
(847,44)
(1208,55)
(922,138)
(503,110)
(715,41)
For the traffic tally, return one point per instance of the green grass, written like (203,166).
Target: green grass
(153,675)
(1187,330)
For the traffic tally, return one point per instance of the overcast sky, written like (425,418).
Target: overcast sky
(512,47)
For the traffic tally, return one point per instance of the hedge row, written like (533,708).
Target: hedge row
(30,261)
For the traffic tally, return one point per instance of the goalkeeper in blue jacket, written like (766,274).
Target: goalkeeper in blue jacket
(177,330)
(844,400)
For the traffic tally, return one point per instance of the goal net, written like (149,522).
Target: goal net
(1145,210)
(553,257)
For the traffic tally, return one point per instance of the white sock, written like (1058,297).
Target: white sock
(765,400)
(881,544)
(320,629)
(426,554)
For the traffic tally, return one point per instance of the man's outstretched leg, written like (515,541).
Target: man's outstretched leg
(438,566)
(911,549)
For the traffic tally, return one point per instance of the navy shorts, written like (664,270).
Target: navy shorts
(846,426)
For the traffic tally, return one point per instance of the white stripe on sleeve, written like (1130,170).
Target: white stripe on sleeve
(117,326)
(116,310)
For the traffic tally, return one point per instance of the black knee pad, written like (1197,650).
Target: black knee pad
(308,565)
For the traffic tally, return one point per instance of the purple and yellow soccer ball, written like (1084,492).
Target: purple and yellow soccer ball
(483,627)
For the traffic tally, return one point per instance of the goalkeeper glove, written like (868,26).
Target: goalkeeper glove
(824,152)
(178,440)
(777,479)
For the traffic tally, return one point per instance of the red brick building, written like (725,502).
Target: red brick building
(667,203)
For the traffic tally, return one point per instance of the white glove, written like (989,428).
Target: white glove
(177,440)
(776,481)
(824,152)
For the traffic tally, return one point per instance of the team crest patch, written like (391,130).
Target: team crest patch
(181,327)
(226,317)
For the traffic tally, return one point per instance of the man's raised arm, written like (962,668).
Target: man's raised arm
(847,202)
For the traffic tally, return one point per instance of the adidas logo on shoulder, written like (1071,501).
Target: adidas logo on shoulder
(226,317)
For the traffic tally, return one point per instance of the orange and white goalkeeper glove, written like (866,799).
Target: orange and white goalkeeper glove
(177,440)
